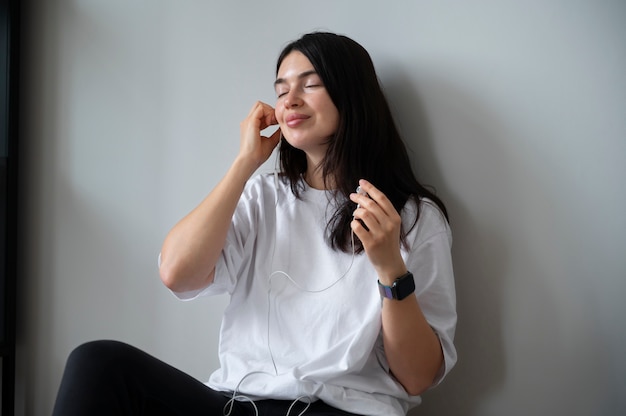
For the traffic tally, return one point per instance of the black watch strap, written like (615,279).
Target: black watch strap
(402,287)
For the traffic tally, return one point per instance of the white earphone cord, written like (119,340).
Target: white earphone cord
(228,407)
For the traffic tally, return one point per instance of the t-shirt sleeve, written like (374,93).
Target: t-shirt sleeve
(430,261)
(238,247)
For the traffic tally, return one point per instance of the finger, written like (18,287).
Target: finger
(262,115)
(360,230)
(367,208)
(257,106)
(367,219)
(375,194)
(268,118)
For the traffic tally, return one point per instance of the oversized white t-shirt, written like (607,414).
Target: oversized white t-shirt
(305,320)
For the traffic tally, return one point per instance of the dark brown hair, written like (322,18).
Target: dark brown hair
(367,143)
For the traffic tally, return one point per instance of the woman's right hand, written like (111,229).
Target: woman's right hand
(254,147)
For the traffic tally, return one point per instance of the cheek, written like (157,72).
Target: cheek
(330,109)
(333,117)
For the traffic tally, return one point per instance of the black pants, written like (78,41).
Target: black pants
(112,378)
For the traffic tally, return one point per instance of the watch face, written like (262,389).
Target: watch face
(404,286)
(401,288)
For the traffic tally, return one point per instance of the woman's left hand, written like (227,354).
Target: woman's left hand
(381,234)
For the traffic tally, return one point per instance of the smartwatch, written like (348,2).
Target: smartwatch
(402,287)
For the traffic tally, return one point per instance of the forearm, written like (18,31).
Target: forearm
(193,246)
(412,348)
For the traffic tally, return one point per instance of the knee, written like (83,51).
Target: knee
(97,356)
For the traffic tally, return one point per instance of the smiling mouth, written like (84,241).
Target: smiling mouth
(294,120)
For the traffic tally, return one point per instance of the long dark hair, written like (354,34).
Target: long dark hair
(367,143)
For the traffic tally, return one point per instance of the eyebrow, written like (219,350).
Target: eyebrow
(300,76)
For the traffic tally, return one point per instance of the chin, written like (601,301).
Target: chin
(297,141)
(305,142)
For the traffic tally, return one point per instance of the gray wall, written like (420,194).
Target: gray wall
(515,111)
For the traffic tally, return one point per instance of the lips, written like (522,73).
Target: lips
(295,119)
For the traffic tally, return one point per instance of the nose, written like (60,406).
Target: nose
(292,99)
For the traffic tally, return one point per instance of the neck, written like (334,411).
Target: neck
(314,177)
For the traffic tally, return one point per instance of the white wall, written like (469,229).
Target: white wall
(516,112)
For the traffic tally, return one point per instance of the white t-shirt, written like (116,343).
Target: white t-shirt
(305,320)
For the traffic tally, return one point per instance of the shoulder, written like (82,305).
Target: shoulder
(430,223)
(266,188)
(430,211)
(261,183)
(261,180)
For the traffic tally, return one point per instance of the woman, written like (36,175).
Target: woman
(342,302)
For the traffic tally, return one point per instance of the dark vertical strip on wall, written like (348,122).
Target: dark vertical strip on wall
(9,60)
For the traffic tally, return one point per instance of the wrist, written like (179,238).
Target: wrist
(388,275)
(244,167)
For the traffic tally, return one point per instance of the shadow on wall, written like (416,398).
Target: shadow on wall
(479,252)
